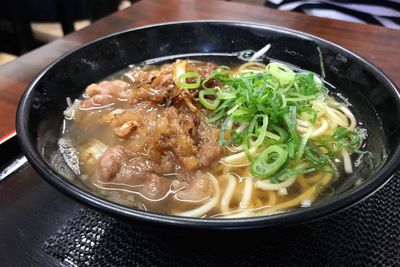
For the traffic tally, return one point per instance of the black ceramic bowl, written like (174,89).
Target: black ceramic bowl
(373,95)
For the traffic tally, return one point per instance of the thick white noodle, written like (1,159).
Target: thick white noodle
(247,192)
(348,168)
(304,126)
(247,163)
(332,123)
(228,194)
(319,106)
(337,116)
(303,123)
(321,129)
(200,211)
(238,158)
(302,129)
(351,117)
(267,185)
(233,148)
(252,66)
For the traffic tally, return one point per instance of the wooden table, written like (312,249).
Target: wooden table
(377,44)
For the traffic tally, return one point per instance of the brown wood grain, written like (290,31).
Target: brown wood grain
(377,44)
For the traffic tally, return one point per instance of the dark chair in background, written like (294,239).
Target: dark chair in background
(16,15)
(15,32)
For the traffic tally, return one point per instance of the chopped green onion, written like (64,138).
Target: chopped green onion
(269,162)
(309,114)
(300,98)
(314,155)
(280,71)
(321,62)
(181,82)
(225,95)
(235,107)
(346,138)
(272,136)
(265,107)
(263,131)
(210,104)
(303,143)
(242,115)
(291,172)
(282,136)
(222,68)
(291,149)
(290,120)
(222,132)
(246,148)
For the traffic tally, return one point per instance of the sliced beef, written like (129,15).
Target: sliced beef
(97,101)
(111,162)
(119,166)
(147,93)
(139,76)
(126,121)
(156,187)
(103,93)
(209,150)
(164,133)
(140,171)
(203,69)
(198,189)
(113,88)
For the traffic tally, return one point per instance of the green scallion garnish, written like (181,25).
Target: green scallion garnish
(182,80)
(262,108)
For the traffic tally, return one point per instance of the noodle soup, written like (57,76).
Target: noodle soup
(193,138)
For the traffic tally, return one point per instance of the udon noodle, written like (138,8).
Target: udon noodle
(150,138)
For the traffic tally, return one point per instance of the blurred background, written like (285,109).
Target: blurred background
(28,24)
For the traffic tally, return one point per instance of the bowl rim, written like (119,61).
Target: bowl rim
(319,210)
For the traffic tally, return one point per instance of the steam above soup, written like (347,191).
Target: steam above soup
(192,138)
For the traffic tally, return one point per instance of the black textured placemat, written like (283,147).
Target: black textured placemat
(367,234)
